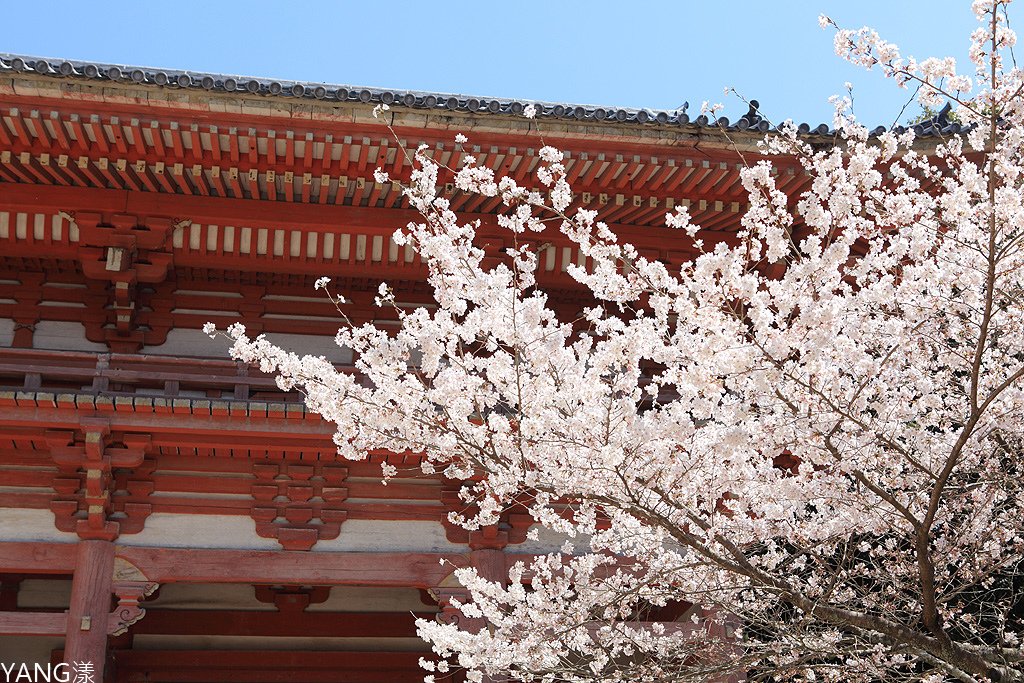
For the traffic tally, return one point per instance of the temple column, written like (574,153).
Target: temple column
(490,563)
(90,606)
(87,485)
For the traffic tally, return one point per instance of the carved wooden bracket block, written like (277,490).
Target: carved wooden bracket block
(26,311)
(449,613)
(103,481)
(292,598)
(510,529)
(125,248)
(298,503)
(130,586)
(127,612)
(124,251)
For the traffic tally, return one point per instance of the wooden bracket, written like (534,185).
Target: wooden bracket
(450,614)
(130,586)
(292,598)
(298,503)
(103,480)
(124,251)
(510,529)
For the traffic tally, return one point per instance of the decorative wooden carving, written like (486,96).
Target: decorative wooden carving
(102,484)
(510,529)
(124,252)
(450,614)
(130,586)
(292,598)
(298,503)
(26,314)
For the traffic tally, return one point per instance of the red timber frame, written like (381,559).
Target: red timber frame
(140,214)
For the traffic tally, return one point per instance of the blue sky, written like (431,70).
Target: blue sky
(653,54)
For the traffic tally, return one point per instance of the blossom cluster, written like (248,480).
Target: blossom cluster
(809,437)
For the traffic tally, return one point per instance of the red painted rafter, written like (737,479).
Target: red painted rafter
(619,177)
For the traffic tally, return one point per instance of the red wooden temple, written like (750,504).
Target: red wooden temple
(169,515)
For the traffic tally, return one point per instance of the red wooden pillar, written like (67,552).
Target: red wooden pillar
(490,563)
(90,606)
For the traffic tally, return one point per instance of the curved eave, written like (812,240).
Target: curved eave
(288,90)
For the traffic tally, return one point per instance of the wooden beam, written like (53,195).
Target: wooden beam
(180,565)
(278,624)
(217,210)
(418,570)
(33,623)
(27,557)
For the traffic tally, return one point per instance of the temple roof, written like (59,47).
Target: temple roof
(177,79)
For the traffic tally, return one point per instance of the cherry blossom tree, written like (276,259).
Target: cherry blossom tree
(812,437)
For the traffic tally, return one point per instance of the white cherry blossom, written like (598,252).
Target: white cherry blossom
(797,458)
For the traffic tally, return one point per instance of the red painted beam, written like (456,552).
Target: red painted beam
(217,210)
(278,624)
(178,565)
(33,623)
(420,570)
(27,557)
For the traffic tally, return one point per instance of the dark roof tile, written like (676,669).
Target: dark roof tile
(169,78)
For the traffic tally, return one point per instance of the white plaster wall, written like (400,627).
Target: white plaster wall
(372,599)
(312,345)
(368,535)
(19,524)
(28,649)
(170,530)
(208,596)
(547,542)
(63,336)
(183,342)
(6,332)
(44,593)
(238,532)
